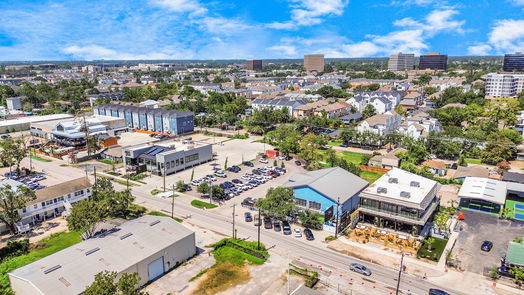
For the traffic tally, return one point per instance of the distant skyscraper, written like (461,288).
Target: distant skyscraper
(314,62)
(401,61)
(254,65)
(514,62)
(433,61)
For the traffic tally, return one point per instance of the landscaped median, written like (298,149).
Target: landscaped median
(156,213)
(232,258)
(199,204)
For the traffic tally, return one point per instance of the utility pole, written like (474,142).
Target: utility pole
(336,223)
(234,236)
(400,272)
(165,176)
(210,192)
(173,202)
(94,169)
(258,244)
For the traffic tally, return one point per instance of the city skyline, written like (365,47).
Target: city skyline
(198,29)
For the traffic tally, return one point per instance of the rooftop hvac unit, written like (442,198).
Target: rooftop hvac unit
(382,190)
(393,180)
(405,195)
(414,184)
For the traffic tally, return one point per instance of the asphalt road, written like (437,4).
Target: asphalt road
(295,248)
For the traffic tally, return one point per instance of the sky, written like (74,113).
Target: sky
(255,29)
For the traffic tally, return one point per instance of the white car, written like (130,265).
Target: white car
(264,161)
(220,174)
(245,177)
(298,233)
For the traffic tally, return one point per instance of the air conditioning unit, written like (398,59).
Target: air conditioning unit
(393,180)
(406,195)
(414,184)
(382,190)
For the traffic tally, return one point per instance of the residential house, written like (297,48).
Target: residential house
(277,104)
(380,124)
(381,101)
(388,161)
(438,168)
(333,110)
(471,171)
(419,124)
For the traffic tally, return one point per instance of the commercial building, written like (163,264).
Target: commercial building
(433,61)
(149,245)
(513,62)
(314,62)
(14,103)
(24,123)
(168,156)
(400,200)
(483,194)
(149,119)
(322,190)
(504,85)
(254,65)
(401,61)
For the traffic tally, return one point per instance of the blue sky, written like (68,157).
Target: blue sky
(244,29)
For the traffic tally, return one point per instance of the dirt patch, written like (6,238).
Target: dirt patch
(222,277)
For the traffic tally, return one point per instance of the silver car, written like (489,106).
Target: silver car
(356,267)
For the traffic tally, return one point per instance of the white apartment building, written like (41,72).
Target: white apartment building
(401,61)
(380,124)
(419,125)
(504,85)
(382,101)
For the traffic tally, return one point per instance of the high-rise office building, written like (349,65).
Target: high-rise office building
(433,61)
(514,62)
(314,62)
(254,65)
(504,85)
(401,61)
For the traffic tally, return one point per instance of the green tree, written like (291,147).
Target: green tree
(85,217)
(180,186)
(430,90)
(441,219)
(105,283)
(400,110)
(430,241)
(369,111)
(331,157)
(203,188)
(279,202)
(309,147)
(310,219)
(11,201)
(518,273)
(218,192)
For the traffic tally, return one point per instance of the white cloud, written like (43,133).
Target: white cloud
(480,49)
(310,12)
(192,6)
(96,52)
(285,50)
(518,2)
(437,21)
(414,2)
(507,35)
(222,25)
(361,49)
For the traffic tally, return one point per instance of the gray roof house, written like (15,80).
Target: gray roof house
(277,104)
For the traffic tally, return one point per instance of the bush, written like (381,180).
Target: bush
(200,204)
(14,248)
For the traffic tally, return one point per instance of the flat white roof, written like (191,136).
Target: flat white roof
(401,185)
(34,119)
(486,189)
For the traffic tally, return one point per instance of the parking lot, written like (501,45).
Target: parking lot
(479,227)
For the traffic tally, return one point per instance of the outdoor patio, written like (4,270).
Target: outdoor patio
(364,233)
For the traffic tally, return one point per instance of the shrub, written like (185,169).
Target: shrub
(14,248)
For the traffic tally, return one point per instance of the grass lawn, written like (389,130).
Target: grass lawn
(436,249)
(109,162)
(336,142)
(200,204)
(355,158)
(156,213)
(370,176)
(121,182)
(36,157)
(473,161)
(45,247)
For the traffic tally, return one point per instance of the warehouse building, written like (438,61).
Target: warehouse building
(149,119)
(149,245)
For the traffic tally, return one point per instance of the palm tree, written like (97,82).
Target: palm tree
(430,241)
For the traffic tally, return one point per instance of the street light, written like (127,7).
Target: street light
(400,272)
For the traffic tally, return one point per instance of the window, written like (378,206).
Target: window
(43,204)
(24,210)
(177,163)
(191,158)
(168,165)
(301,202)
(49,202)
(314,205)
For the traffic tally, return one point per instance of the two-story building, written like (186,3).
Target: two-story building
(400,200)
(380,124)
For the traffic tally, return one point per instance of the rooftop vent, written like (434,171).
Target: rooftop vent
(92,251)
(382,190)
(405,194)
(126,236)
(51,269)
(414,184)
(393,180)
(154,222)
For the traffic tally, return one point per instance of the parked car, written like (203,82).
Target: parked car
(298,163)
(263,160)
(220,174)
(504,271)
(437,292)
(257,220)
(344,145)
(486,246)
(298,234)
(267,223)
(235,169)
(236,181)
(309,234)
(187,188)
(356,267)
(286,229)
(4,136)
(276,226)
(248,163)
(248,217)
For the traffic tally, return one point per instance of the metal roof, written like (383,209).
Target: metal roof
(164,113)
(331,182)
(71,270)
(486,189)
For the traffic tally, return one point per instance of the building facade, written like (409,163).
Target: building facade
(513,62)
(154,120)
(401,61)
(504,85)
(254,65)
(314,62)
(433,61)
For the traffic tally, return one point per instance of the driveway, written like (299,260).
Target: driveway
(478,227)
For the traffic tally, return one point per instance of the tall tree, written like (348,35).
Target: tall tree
(310,219)
(279,202)
(11,201)
(105,283)
(309,147)
(85,216)
(369,111)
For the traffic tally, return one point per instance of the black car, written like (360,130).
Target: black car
(187,188)
(309,234)
(287,158)
(236,181)
(276,226)
(286,229)
(298,163)
(235,169)
(267,223)
(504,271)
(248,163)
(248,217)
(437,292)
(486,246)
